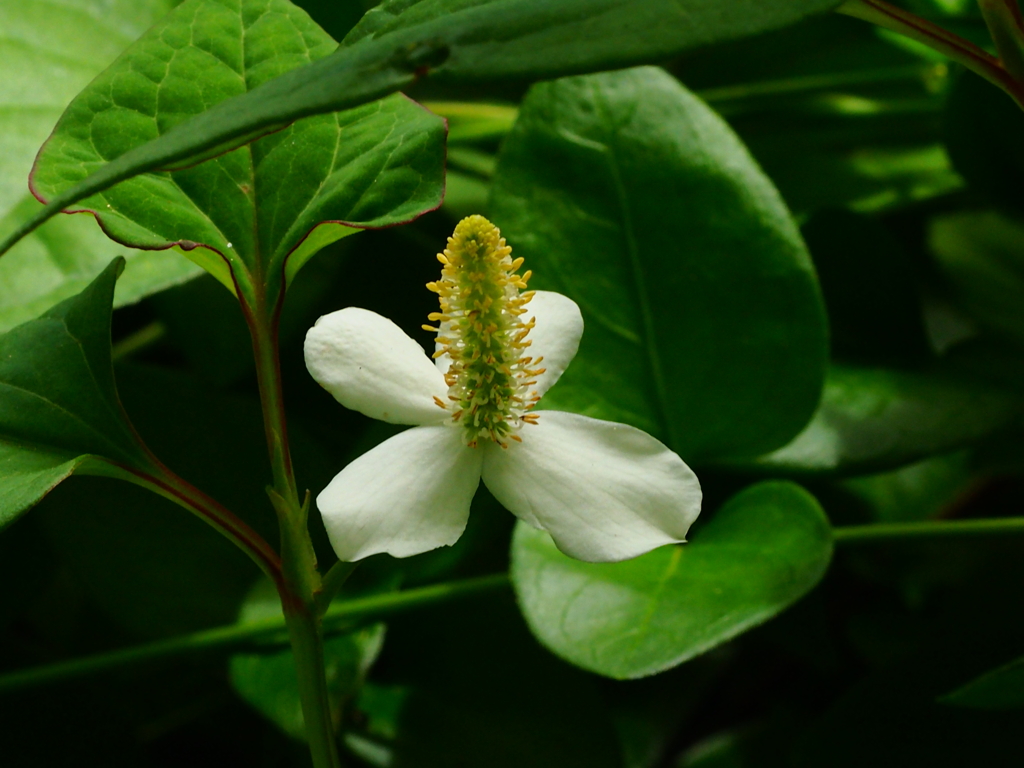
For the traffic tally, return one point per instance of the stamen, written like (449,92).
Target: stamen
(481,307)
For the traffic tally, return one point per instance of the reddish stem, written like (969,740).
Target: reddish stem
(957,48)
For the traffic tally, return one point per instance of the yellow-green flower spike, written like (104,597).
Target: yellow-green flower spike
(482,331)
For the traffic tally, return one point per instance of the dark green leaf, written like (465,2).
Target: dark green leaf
(758,745)
(981,254)
(1002,688)
(891,720)
(59,411)
(870,176)
(337,17)
(916,492)
(874,310)
(457,40)
(490,696)
(156,571)
(490,39)
(268,681)
(704,320)
(50,52)
(760,552)
(983,129)
(153,570)
(259,210)
(648,714)
(873,419)
(836,114)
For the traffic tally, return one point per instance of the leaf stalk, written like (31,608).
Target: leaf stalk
(268,634)
(1000,72)
(926,529)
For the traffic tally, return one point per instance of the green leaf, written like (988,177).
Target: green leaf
(705,324)
(981,254)
(50,52)
(1001,688)
(59,410)
(491,39)
(268,681)
(262,209)
(763,550)
(874,419)
(456,41)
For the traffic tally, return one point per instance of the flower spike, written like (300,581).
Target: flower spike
(483,333)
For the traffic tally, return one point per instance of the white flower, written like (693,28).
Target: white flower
(604,492)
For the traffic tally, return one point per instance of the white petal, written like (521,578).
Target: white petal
(371,366)
(604,491)
(408,495)
(556,336)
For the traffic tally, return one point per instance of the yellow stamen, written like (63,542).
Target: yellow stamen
(481,307)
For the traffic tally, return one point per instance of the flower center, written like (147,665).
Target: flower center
(482,331)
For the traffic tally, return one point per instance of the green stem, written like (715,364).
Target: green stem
(1003,19)
(262,323)
(927,529)
(301,583)
(306,636)
(803,84)
(266,632)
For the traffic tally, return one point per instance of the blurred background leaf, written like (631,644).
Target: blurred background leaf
(50,52)
(1000,689)
(872,419)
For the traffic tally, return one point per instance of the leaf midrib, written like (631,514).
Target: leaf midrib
(56,406)
(639,281)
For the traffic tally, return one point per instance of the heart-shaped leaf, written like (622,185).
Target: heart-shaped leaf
(762,551)
(50,52)
(59,410)
(874,419)
(260,211)
(704,321)
(457,40)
